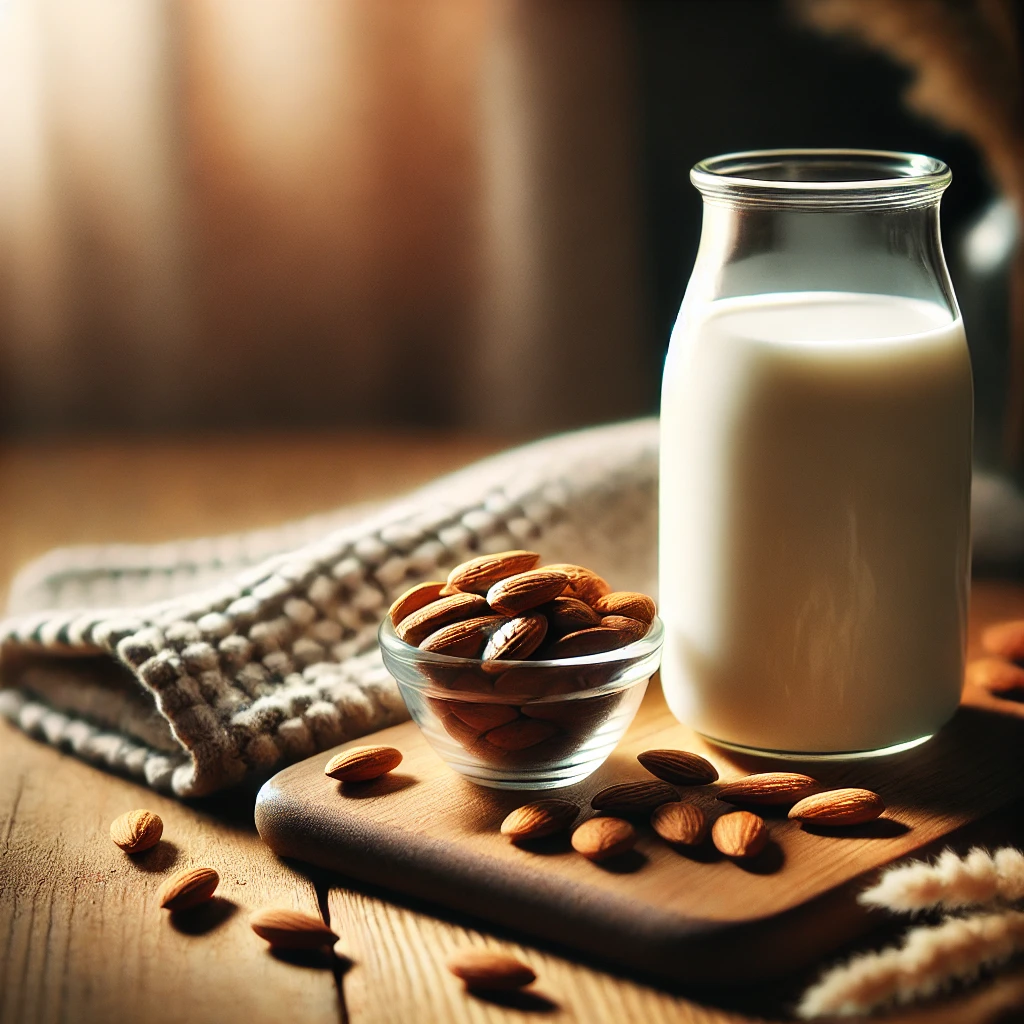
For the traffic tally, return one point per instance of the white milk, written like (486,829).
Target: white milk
(815,501)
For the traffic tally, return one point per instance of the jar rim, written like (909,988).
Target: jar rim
(822,178)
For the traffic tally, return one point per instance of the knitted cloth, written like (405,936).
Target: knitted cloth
(192,665)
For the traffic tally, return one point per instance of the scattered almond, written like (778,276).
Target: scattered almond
(769,789)
(628,603)
(995,675)
(539,819)
(284,928)
(602,838)
(463,639)
(135,831)
(416,627)
(413,600)
(839,807)
(485,970)
(679,823)
(478,575)
(583,583)
(525,590)
(516,638)
(361,764)
(1005,639)
(739,834)
(679,767)
(633,797)
(188,888)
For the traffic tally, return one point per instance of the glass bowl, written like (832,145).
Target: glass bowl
(523,724)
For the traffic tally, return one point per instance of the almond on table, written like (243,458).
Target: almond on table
(679,823)
(839,807)
(602,838)
(539,819)
(284,928)
(1005,639)
(997,675)
(634,797)
(487,970)
(739,834)
(679,767)
(137,831)
(187,889)
(769,789)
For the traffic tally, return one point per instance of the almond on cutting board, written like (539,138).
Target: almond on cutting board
(997,675)
(516,638)
(187,889)
(628,603)
(539,819)
(413,600)
(285,928)
(465,639)
(679,767)
(839,807)
(362,764)
(416,627)
(739,834)
(769,789)
(516,594)
(601,839)
(679,823)
(1005,639)
(633,797)
(136,831)
(478,575)
(485,970)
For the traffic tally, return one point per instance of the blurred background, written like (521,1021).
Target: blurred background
(238,215)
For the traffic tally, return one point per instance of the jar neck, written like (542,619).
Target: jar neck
(750,248)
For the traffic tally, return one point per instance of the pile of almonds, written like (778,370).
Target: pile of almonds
(503,608)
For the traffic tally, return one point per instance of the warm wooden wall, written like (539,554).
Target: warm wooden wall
(228,213)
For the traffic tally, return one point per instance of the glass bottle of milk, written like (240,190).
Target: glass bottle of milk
(816,425)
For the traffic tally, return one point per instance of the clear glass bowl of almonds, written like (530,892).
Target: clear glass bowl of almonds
(522,676)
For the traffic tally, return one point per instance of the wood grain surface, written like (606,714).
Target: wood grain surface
(80,942)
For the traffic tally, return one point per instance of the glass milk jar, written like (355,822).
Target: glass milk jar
(816,425)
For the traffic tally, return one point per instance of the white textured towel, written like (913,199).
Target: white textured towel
(194,664)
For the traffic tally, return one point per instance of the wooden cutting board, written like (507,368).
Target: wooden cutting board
(697,917)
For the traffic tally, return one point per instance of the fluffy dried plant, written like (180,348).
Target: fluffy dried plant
(930,960)
(950,882)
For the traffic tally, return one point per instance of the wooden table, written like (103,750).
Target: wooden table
(81,938)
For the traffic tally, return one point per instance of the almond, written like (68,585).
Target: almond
(995,675)
(839,807)
(679,767)
(539,819)
(601,838)
(569,614)
(633,797)
(525,590)
(628,603)
(478,575)
(135,831)
(516,638)
(361,764)
(417,626)
(413,600)
(536,682)
(739,834)
(632,629)
(470,682)
(284,928)
(481,716)
(583,583)
(463,639)
(1005,639)
(520,734)
(188,888)
(769,789)
(485,970)
(584,642)
(680,823)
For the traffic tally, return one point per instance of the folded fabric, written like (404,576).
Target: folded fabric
(195,664)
